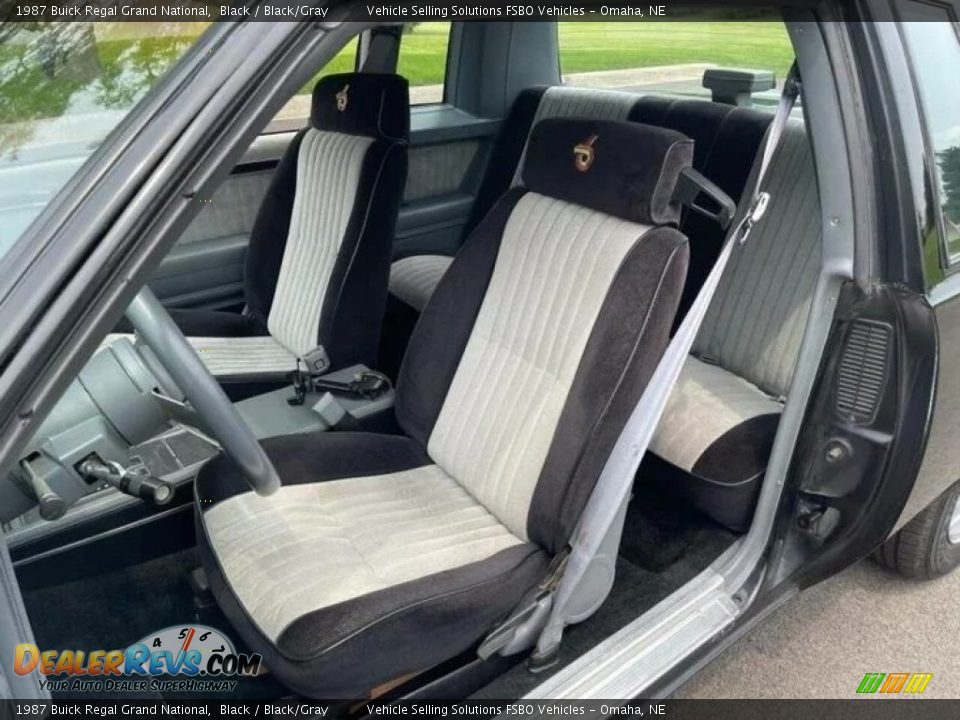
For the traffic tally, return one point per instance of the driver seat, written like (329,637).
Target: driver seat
(384,555)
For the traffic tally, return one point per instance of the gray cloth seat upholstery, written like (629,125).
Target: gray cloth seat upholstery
(714,440)
(317,265)
(413,279)
(384,555)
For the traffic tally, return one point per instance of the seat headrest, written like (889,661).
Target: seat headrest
(371,104)
(624,169)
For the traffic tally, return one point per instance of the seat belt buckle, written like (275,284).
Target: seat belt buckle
(536,602)
(551,580)
(316,361)
(367,385)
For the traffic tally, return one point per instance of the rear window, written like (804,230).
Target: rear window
(671,57)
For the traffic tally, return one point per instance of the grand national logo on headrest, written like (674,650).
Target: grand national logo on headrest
(342,98)
(583,154)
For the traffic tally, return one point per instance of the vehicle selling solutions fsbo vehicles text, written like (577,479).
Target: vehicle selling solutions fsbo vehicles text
(471,11)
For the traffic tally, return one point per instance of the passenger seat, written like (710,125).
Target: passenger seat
(715,436)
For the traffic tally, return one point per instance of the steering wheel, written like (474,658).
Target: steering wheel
(160,332)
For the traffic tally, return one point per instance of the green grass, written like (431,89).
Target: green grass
(588,46)
(423,53)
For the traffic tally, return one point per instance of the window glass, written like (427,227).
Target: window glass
(423,60)
(63,88)
(671,57)
(935,51)
(293,115)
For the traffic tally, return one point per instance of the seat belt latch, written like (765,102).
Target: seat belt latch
(758,208)
(317,361)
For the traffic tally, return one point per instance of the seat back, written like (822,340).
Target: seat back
(543,333)
(318,263)
(756,321)
(726,139)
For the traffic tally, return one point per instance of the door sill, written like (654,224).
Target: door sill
(636,656)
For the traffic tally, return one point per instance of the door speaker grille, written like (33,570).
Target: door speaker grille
(864,367)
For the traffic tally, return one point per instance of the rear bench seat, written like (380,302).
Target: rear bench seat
(712,445)
(714,440)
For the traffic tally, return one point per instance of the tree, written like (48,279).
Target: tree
(949,161)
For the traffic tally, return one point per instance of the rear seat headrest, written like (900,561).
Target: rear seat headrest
(623,169)
(371,104)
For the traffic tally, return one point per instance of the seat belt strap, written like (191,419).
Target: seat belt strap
(616,478)
(758,198)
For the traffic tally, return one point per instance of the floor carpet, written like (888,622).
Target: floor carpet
(117,609)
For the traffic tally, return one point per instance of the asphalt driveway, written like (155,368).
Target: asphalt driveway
(820,644)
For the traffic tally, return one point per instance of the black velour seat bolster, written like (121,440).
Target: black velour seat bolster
(622,351)
(313,457)
(623,169)
(353,310)
(371,104)
(339,652)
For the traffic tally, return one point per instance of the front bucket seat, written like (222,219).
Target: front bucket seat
(318,262)
(383,555)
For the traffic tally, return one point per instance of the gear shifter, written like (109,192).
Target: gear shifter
(145,487)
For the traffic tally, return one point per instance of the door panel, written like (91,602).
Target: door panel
(448,154)
(205,267)
(207,273)
(439,169)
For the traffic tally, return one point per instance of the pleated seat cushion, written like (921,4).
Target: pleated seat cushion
(332,569)
(413,279)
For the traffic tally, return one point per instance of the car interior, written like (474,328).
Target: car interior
(434,319)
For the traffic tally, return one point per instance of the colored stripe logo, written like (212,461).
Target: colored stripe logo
(894,683)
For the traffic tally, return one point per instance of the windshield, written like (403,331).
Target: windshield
(63,88)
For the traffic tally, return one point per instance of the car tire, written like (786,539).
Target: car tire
(929,545)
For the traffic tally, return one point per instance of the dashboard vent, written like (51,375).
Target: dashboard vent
(863,371)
